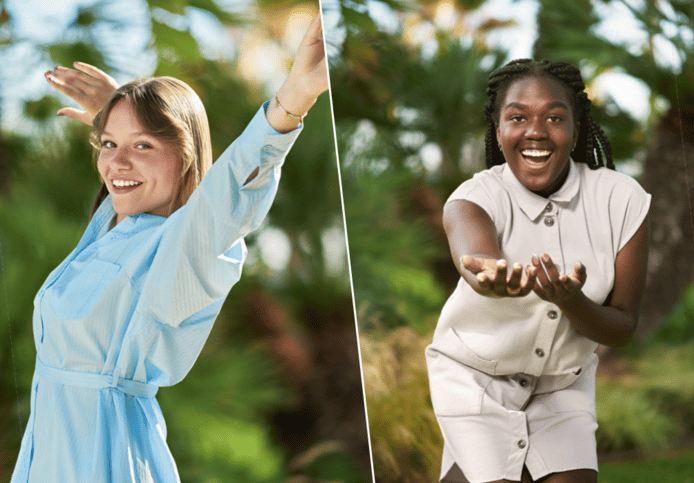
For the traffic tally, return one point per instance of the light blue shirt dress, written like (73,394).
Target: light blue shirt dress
(128,311)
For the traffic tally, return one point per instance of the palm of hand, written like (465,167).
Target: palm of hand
(552,287)
(494,280)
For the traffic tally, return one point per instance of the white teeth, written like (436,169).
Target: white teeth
(535,153)
(121,183)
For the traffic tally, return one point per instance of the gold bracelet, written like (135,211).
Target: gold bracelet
(288,114)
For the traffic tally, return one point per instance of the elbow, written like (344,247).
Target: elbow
(623,334)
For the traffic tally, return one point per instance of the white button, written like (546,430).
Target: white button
(521,443)
(540,353)
(548,207)
(549,221)
(552,314)
(523,382)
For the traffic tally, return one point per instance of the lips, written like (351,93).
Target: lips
(124,183)
(536,155)
(123,186)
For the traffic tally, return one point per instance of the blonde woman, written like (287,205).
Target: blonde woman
(130,308)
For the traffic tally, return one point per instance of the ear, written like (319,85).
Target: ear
(577,129)
(498,134)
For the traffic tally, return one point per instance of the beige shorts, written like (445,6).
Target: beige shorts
(494,425)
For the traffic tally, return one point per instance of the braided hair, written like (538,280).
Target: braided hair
(592,146)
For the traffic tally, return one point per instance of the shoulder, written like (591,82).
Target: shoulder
(602,184)
(487,181)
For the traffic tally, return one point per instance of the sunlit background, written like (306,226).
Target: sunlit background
(408,87)
(276,393)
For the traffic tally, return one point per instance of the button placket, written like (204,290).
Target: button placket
(551,234)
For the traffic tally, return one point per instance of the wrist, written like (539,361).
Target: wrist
(294,98)
(573,303)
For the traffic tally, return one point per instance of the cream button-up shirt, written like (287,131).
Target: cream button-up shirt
(589,219)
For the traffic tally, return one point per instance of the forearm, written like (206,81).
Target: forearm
(609,326)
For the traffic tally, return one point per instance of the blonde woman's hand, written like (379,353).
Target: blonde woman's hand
(309,74)
(307,79)
(85,84)
(552,287)
(494,280)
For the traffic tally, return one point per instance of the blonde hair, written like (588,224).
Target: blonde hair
(169,110)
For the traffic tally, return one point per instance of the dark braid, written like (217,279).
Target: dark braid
(592,146)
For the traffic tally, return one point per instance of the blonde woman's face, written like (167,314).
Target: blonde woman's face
(140,171)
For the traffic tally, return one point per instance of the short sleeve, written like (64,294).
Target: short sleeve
(478,190)
(628,205)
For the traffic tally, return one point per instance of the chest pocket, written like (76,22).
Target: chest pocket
(78,289)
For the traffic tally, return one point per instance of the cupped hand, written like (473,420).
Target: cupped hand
(552,287)
(88,86)
(494,280)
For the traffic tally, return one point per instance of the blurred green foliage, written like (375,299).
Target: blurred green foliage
(678,327)
(408,93)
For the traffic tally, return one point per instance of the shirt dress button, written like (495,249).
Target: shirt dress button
(540,353)
(521,444)
(549,221)
(552,314)
(548,207)
(523,382)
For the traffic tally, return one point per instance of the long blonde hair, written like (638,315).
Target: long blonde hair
(171,111)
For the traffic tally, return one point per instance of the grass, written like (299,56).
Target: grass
(675,468)
(651,409)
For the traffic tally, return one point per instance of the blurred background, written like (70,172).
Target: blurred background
(276,393)
(408,87)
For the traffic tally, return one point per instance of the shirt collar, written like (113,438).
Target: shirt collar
(130,224)
(532,204)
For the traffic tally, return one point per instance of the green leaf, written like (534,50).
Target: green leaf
(85,18)
(67,53)
(212,7)
(42,109)
(173,6)
(174,44)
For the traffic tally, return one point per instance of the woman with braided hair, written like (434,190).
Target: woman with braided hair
(551,246)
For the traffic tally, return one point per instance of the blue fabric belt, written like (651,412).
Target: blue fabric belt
(95,381)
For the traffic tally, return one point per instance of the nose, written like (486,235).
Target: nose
(120,160)
(536,129)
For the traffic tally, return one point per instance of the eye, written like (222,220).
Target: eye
(106,144)
(516,118)
(555,118)
(143,146)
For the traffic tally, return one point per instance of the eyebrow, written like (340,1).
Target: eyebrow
(139,133)
(551,105)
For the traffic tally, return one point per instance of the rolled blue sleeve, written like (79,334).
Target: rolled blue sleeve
(201,251)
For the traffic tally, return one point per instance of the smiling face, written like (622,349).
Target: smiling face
(537,132)
(140,171)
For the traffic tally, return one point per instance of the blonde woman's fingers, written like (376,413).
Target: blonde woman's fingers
(313,32)
(76,114)
(96,73)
